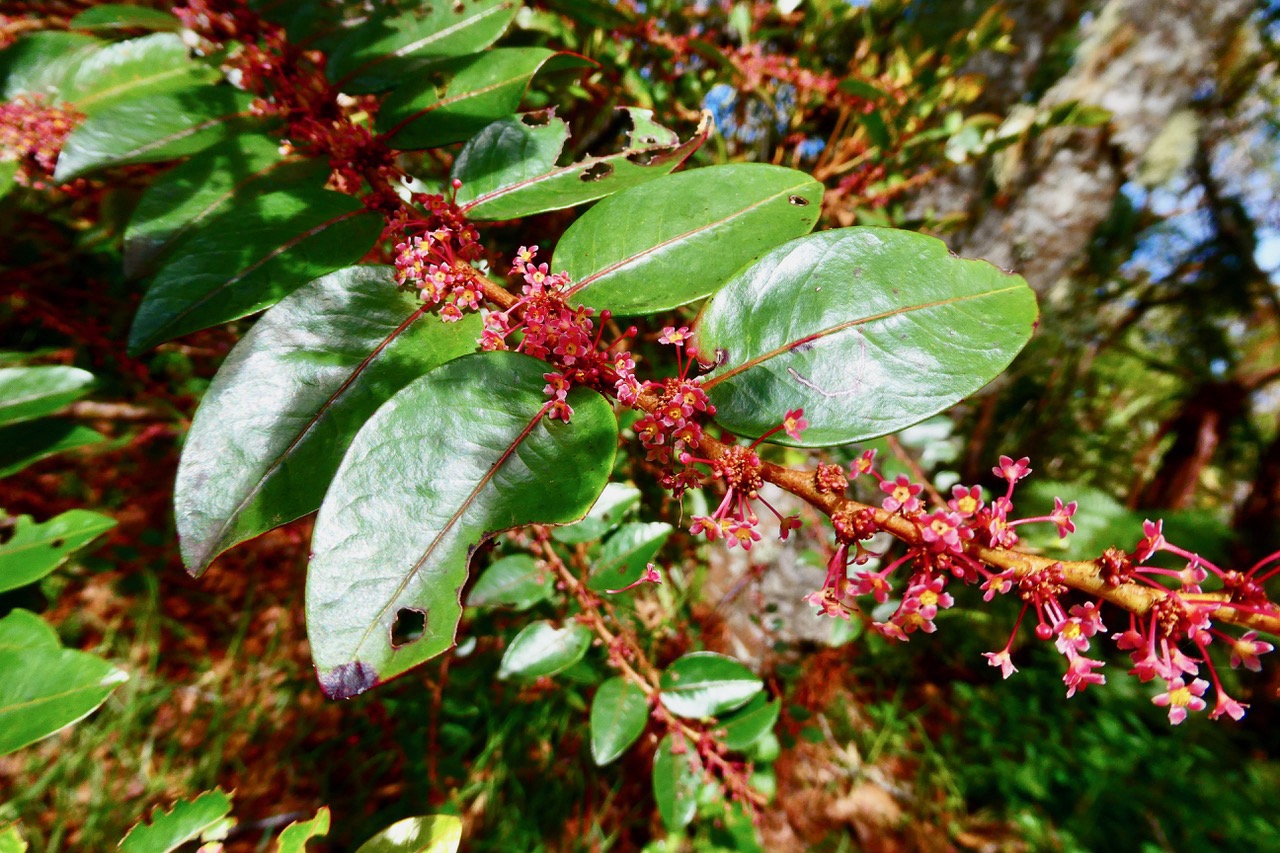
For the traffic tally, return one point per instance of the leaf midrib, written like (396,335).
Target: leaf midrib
(849,324)
(414,46)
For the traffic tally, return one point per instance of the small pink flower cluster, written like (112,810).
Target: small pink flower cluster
(33,133)
(1180,615)
(564,336)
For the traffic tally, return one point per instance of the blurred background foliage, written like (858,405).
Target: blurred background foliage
(1123,154)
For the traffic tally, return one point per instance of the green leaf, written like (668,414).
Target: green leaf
(382,51)
(41,63)
(465,452)
(454,100)
(869,330)
(626,553)
(751,722)
(227,177)
(706,684)
(11,841)
(45,687)
(27,393)
(154,128)
(28,442)
(677,238)
(543,649)
(8,171)
(617,500)
(295,836)
(111,17)
(430,834)
(156,64)
(619,713)
(675,784)
(516,581)
(509,169)
(34,550)
(251,259)
(204,819)
(287,401)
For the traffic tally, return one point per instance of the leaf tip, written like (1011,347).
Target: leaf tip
(347,680)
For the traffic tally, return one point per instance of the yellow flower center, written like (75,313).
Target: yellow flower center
(928,598)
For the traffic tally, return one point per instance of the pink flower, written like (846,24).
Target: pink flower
(1080,674)
(1152,541)
(1181,697)
(966,500)
(998,584)
(1227,705)
(1002,660)
(786,525)
(673,336)
(1246,650)
(890,630)
(705,525)
(863,464)
(874,583)
(1012,471)
(741,533)
(926,598)
(901,494)
(1061,516)
(943,531)
(1071,635)
(794,423)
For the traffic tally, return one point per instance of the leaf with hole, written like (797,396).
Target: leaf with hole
(465,451)
(509,169)
(27,393)
(155,64)
(287,401)
(676,776)
(869,330)
(541,649)
(619,713)
(751,722)
(385,50)
(33,550)
(295,836)
(45,687)
(206,818)
(429,834)
(706,684)
(456,99)
(192,195)
(154,128)
(517,581)
(626,553)
(250,259)
(677,238)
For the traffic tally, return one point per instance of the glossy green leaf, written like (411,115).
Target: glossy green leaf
(619,713)
(295,836)
(229,176)
(676,239)
(869,330)
(206,818)
(454,100)
(155,64)
(154,128)
(112,17)
(45,687)
(287,401)
(383,51)
(33,392)
(517,581)
(626,553)
(509,169)
(751,722)
(28,442)
(431,834)
(676,776)
(542,649)
(617,500)
(251,259)
(33,550)
(465,452)
(41,63)
(706,684)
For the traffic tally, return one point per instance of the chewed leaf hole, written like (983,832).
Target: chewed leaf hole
(539,119)
(58,543)
(643,158)
(596,172)
(799,200)
(459,7)
(408,627)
